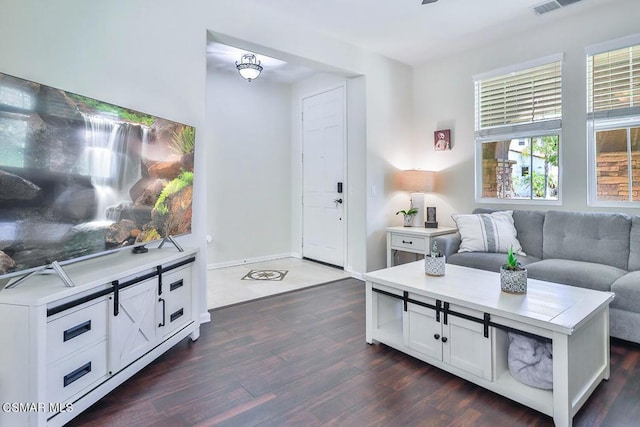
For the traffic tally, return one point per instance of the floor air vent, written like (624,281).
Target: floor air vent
(552,5)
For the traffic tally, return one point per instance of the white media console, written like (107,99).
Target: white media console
(64,348)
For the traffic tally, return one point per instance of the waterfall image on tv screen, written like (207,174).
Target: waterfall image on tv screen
(79,177)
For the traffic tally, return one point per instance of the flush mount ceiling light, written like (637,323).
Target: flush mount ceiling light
(249,67)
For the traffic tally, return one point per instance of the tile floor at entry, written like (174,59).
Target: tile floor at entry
(225,285)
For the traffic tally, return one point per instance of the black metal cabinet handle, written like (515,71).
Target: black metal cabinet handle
(408,241)
(436,336)
(116,297)
(446,313)
(76,331)
(164,312)
(178,314)
(159,271)
(77,374)
(176,285)
(444,339)
(487,322)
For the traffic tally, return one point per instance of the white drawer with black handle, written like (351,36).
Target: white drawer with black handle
(407,242)
(77,373)
(75,328)
(175,300)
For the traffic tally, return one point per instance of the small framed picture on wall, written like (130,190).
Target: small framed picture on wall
(442,139)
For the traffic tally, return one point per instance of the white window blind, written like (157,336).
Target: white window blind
(526,96)
(614,83)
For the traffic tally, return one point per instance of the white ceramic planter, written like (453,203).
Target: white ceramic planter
(513,282)
(434,266)
(408,220)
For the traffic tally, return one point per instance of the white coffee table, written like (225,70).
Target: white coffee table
(459,323)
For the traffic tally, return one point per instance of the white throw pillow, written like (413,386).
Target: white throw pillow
(492,232)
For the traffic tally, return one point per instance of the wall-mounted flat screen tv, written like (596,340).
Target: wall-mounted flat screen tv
(80,177)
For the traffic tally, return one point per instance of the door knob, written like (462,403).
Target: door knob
(338,201)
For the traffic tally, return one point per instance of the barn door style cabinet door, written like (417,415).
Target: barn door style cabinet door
(431,330)
(71,346)
(133,323)
(146,311)
(446,338)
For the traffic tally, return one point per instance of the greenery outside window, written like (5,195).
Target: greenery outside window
(521,169)
(613,122)
(518,131)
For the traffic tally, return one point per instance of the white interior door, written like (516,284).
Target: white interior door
(323,167)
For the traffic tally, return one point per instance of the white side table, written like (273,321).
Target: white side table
(416,240)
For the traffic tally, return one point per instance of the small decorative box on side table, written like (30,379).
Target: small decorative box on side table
(416,240)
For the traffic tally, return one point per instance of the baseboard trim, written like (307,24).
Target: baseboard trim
(354,274)
(205,317)
(251,260)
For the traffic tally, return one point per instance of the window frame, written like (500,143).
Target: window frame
(622,118)
(531,130)
(594,126)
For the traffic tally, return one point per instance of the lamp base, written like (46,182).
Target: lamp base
(417,201)
(431,224)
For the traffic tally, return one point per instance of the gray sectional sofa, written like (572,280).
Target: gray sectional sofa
(591,250)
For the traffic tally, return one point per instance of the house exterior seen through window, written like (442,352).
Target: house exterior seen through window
(613,122)
(523,168)
(518,131)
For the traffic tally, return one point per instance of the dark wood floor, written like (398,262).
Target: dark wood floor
(301,359)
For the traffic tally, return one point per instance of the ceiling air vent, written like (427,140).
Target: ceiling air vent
(567,2)
(552,5)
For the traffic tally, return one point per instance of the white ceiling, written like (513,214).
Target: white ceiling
(408,31)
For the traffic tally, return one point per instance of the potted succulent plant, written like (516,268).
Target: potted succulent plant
(408,215)
(513,276)
(434,262)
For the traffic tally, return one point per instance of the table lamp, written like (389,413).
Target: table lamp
(417,182)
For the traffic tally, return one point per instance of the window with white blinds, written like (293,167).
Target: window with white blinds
(522,96)
(518,122)
(613,122)
(613,81)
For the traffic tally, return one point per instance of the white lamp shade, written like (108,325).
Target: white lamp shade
(416,181)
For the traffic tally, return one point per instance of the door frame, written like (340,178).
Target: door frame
(345,162)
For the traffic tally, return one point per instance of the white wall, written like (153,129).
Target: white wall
(150,56)
(357,175)
(444,98)
(390,148)
(248,168)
